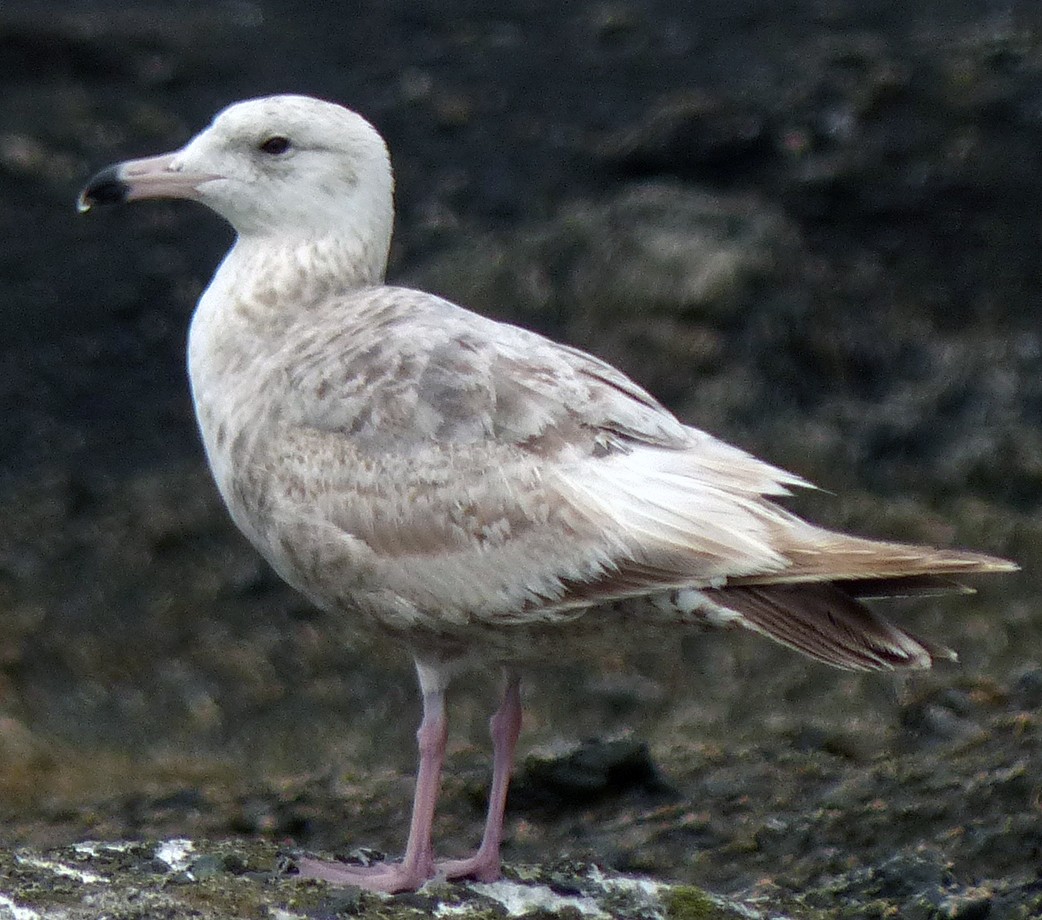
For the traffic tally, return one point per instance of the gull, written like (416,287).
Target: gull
(479,494)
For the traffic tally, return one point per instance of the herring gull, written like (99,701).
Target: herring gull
(472,490)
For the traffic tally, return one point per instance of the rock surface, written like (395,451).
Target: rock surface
(179,879)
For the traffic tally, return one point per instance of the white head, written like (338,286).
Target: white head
(287,166)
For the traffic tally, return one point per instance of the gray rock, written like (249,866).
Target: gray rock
(655,248)
(1027,687)
(584,773)
(125,880)
(693,134)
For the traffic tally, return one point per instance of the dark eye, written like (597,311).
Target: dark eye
(275,145)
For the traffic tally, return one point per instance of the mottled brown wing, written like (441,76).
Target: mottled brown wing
(503,476)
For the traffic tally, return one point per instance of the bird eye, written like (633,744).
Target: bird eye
(275,145)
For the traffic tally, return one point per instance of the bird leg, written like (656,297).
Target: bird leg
(504,726)
(417,866)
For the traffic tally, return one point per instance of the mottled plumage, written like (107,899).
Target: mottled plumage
(465,486)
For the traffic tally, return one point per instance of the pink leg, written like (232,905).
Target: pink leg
(505,726)
(417,866)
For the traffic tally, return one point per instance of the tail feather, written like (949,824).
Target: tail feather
(907,586)
(814,606)
(826,623)
(812,602)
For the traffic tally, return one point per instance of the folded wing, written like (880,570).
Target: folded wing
(498,476)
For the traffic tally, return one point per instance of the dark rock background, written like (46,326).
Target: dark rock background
(810,227)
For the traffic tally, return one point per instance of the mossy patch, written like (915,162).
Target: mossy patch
(686,902)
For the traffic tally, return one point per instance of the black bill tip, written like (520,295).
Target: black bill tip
(105,188)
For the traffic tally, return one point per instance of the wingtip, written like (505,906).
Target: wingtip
(940,653)
(982,564)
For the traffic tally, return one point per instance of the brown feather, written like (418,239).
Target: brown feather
(827,624)
(816,554)
(874,569)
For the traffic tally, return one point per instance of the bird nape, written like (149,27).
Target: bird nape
(469,488)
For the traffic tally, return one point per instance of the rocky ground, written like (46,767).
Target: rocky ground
(811,229)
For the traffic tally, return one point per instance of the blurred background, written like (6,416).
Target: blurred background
(810,227)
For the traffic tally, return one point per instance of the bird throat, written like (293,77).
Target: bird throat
(268,274)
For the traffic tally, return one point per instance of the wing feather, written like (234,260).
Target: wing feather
(481,471)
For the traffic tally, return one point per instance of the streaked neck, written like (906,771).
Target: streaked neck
(265,275)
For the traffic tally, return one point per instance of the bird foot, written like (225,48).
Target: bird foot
(393,878)
(389,878)
(480,867)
